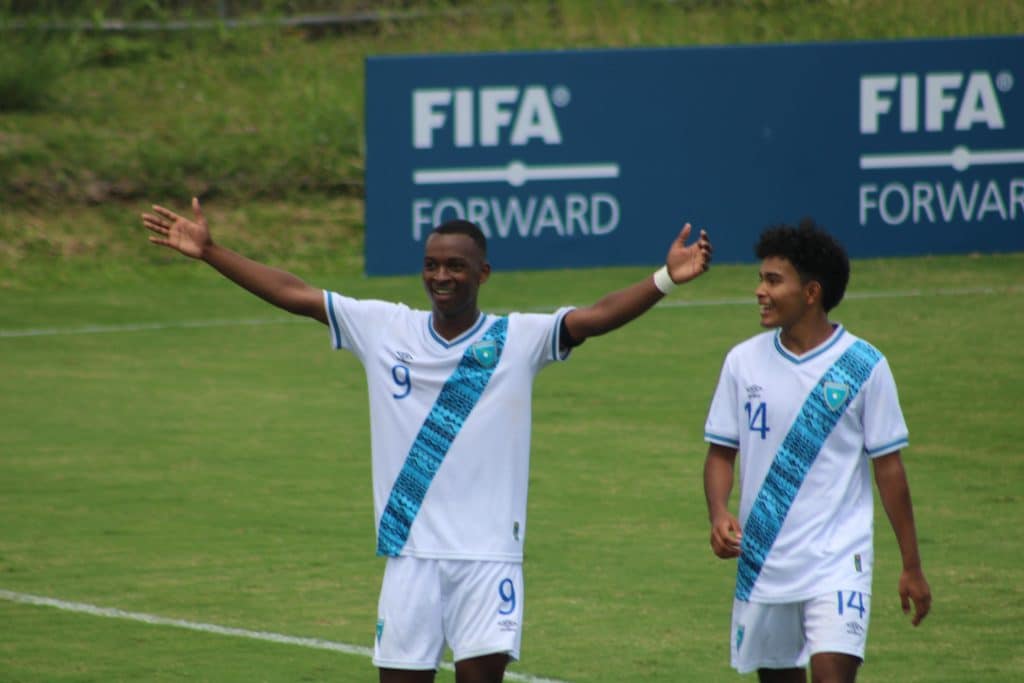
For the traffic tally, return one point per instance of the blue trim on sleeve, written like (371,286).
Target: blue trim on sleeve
(335,330)
(721,440)
(887,448)
(556,337)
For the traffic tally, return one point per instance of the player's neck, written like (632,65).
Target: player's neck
(449,327)
(807,333)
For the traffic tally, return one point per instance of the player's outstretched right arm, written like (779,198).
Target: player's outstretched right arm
(192,238)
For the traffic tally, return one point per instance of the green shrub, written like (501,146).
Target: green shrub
(31,62)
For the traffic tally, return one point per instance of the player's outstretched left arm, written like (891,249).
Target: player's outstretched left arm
(894,491)
(683,263)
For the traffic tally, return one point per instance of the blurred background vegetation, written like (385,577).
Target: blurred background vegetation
(122,99)
(258,104)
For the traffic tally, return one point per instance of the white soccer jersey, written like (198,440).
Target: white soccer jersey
(450,425)
(805,427)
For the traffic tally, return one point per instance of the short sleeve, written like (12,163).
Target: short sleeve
(722,426)
(354,324)
(885,430)
(539,334)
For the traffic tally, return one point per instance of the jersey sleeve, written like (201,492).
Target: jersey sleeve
(355,323)
(885,430)
(722,425)
(542,336)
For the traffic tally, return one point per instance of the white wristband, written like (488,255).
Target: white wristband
(663,281)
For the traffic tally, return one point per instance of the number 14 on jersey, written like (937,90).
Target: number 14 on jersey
(757,418)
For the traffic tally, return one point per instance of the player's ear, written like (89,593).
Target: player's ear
(812,292)
(485,272)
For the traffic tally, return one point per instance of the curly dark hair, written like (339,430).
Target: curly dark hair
(463,227)
(815,255)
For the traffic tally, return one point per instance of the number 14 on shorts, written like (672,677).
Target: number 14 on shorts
(850,601)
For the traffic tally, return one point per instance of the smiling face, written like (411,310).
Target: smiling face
(785,300)
(454,267)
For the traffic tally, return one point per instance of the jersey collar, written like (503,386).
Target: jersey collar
(837,333)
(461,338)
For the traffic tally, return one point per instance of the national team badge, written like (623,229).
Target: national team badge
(835,394)
(485,352)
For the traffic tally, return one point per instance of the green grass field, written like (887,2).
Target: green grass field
(172,447)
(215,469)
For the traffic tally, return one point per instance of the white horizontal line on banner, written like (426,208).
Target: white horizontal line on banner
(959,158)
(515,173)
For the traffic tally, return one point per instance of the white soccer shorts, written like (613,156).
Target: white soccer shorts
(475,607)
(786,635)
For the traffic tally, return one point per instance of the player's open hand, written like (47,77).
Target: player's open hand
(687,262)
(914,588)
(190,237)
(726,535)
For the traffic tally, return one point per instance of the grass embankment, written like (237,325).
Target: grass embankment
(265,124)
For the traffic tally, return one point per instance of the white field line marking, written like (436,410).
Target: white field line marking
(139,327)
(668,303)
(909,293)
(315,643)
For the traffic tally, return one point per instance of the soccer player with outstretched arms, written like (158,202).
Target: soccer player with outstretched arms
(450,412)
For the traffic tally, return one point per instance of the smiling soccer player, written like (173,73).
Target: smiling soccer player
(450,412)
(807,406)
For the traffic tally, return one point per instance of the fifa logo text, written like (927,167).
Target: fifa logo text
(487,117)
(965,100)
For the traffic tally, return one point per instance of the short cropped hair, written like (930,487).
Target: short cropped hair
(815,255)
(463,227)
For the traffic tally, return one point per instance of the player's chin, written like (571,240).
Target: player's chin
(769,317)
(448,306)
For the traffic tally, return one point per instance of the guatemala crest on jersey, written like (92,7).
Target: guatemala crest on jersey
(485,352)
(835,394)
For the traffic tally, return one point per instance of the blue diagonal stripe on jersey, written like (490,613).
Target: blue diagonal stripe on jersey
(799,448)
(458,397)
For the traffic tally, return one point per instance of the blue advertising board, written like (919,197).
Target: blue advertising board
(586,158)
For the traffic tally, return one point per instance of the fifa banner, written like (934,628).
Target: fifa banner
(590,158)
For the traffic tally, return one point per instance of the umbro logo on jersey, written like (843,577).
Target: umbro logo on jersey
(835,394)
(485,352)
(403,356)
